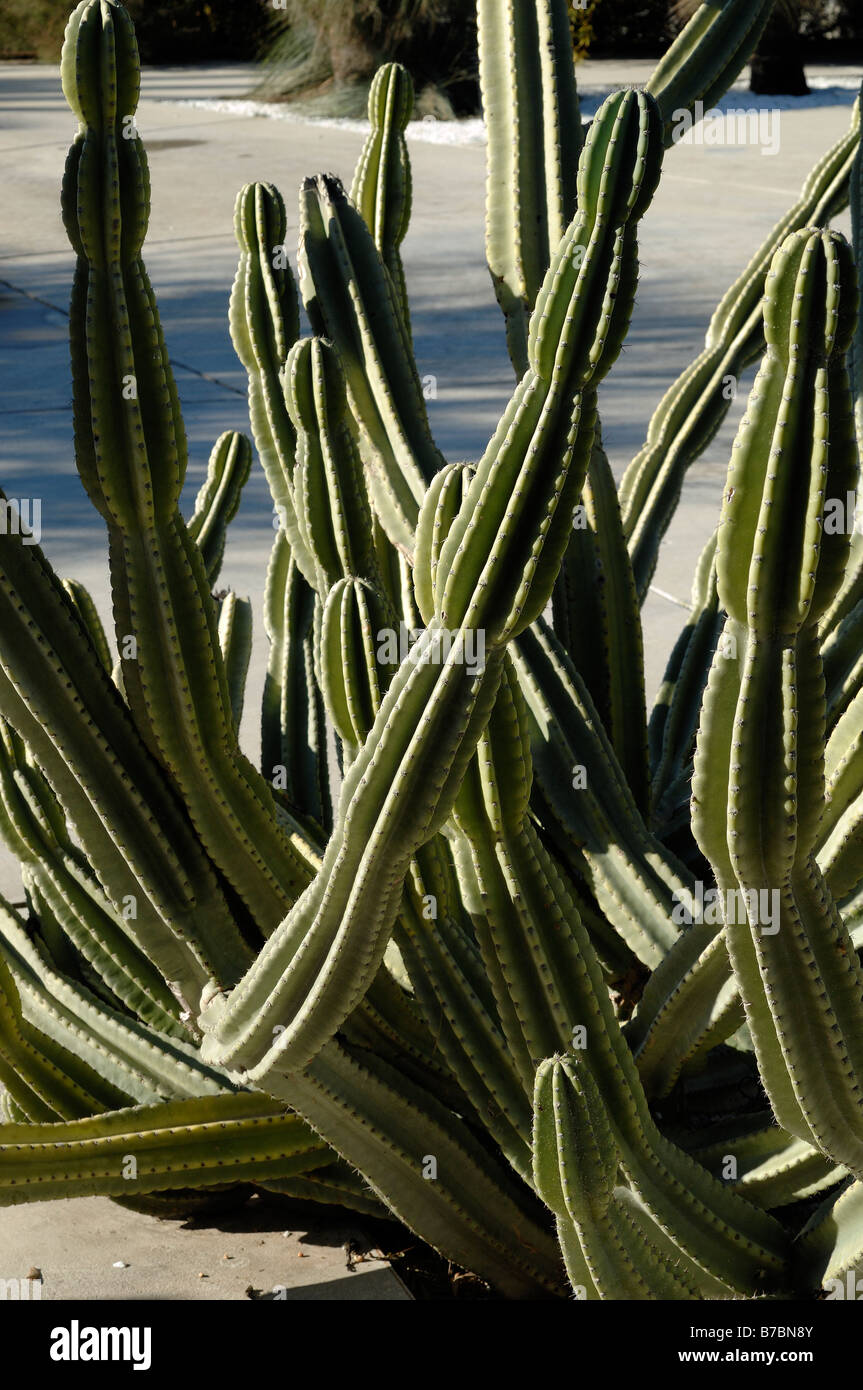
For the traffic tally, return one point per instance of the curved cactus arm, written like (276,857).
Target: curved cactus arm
(382,183)
(57,695)
(200,1142)
(838,842)
(530,103)
(404,781)
(598,621)
(399,789)
(772,1168)
(559,996)
(398,1135)
(707,56)
(583,799)
(293,714)
(639,1241)
(351,299)
(759,776)
(614,1248)
(693,408)
(131,454)
(851,592)
(219,497)
(235,643)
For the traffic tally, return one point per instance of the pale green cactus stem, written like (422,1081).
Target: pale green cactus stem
(382,182)
(389,1127)
(353,678)
(132,457)
(351,299)
(693,408)
(531,107)
(353,614)
(642,1238)
(332,510)
(707,56)
(235,643)
(576,331)
(597,620)
(758,788)
(219,498)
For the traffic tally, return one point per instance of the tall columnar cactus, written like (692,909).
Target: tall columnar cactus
(455,952)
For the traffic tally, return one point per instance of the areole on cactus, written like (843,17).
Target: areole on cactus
(442,921)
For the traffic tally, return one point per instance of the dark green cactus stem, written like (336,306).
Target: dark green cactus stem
(89,615)
(293,716)
(265,323)
(382,183)
(70,908)
(531,106)
(758,788)
(597,620)
(131,454)
(586,805)
(773,1170)
(219,498)
(674,720)
(57,695)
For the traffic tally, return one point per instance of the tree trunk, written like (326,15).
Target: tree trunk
(777,64)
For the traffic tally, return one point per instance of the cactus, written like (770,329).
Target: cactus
(442,955)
